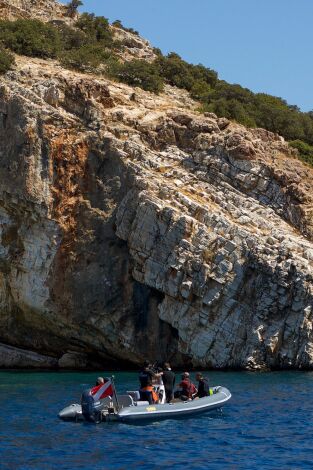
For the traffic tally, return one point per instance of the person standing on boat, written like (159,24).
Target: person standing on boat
(158,376)
(168,382)
(146,378)
(203,386)
(158,385)
(188,389)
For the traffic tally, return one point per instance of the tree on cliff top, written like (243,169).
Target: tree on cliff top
(96,28)
(72,7)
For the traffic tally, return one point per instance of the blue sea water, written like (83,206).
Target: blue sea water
(267,425)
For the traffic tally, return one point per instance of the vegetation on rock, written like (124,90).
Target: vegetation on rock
(88,56)
(97,29)
(259,110)
(87,46)
(30,37)
(72,7)
(6,61)
(305,150)
(179,73)
(118,24)
(91,44)
(139,73)
(240,104)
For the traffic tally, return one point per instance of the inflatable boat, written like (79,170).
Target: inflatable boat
(129,408)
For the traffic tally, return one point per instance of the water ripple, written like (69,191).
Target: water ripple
(267,425)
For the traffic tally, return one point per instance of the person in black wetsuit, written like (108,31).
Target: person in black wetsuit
(203,386)
(168,377)
(146,383)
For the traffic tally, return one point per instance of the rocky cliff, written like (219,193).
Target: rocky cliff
(45,10)
(133,227)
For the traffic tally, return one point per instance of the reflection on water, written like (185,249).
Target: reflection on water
(267,425)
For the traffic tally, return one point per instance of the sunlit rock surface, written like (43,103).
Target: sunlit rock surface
(134,227)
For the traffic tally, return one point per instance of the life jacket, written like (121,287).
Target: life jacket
(192,390)
(149,388)
(188,388)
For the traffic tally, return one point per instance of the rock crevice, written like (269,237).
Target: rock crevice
(140,228)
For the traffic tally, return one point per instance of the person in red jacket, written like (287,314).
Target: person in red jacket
(188,389)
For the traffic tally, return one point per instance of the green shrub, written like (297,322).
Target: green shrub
(274,114)
(204,74)
(118,24)
(97,29)
(179,73)
(261,110)
(83,48)
(70,38)
(6,61)
(157,51)
(89,56)
(175,71)
(139,73)
(200,91)
(305,151)
(73,6)
(30,37)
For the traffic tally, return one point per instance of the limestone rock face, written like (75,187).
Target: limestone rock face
(134,227)
(135,46)
(11,358)
(45,10)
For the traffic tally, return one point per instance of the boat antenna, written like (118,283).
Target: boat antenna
(115,394)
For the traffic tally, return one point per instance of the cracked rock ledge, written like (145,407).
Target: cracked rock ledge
(131,226)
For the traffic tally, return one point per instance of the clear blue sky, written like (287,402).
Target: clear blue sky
(264,45)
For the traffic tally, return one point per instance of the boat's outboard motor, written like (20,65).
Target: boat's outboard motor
(90,408)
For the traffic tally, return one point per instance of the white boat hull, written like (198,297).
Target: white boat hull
(176,410)
(140,411)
